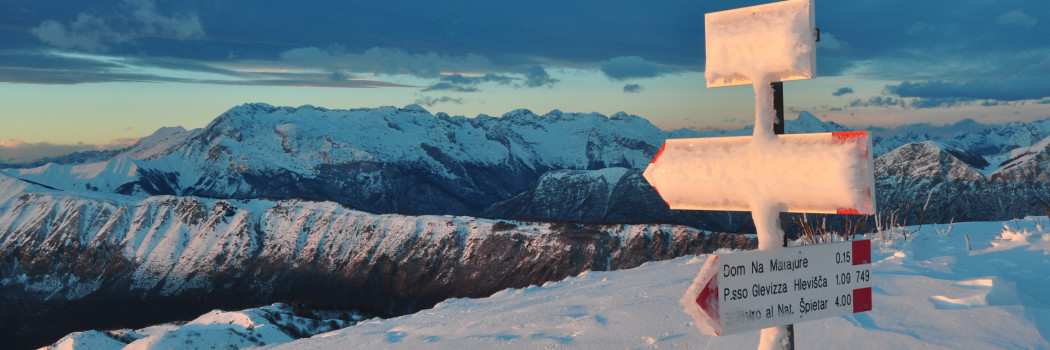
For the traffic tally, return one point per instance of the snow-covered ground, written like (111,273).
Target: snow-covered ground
(930,292)
(277,323)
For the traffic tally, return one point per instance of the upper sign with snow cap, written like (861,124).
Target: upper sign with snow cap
(778,40)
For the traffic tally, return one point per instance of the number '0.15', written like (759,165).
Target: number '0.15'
(843,257)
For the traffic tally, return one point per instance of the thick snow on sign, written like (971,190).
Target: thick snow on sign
(774,40)
(803,173)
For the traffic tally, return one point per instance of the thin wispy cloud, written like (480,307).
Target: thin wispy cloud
(460,83)
(384,60)
(54,67)
(1002,90)
(633,67)
(1017,18)
(17,151)
(878,101)
(430,101)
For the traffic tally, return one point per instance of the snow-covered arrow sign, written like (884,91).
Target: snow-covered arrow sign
(758,289)
(802,173)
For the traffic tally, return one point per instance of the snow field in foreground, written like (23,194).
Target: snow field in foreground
(929,292)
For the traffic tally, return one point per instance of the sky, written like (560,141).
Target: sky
(78,75)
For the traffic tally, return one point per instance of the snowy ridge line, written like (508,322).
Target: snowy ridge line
(58,247)
(383,160)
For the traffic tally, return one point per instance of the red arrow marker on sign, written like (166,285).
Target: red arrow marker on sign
(704,307)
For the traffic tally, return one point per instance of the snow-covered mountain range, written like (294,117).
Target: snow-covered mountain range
(379,160)
(376,209)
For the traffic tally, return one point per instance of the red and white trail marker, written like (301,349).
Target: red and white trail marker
(804,173)
(759,289)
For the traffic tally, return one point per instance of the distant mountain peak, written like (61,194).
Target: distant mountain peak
(807,122)
(415,108)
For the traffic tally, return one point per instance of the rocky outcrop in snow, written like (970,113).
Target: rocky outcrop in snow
(926,181)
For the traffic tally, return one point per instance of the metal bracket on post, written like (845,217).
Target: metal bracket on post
(778,129)
(778,106)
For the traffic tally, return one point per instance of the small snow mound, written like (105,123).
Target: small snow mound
(224,317)
(977,283)
(86,340)
(696,260)
(941,302)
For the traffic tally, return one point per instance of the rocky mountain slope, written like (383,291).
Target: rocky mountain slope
(381,160)
(124,259)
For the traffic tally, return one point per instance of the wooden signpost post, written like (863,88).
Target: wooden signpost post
(766,174)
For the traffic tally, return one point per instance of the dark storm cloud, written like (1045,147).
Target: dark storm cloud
(938,102)
(931,41)
(842,91)
(132,19)
(891,39)
(1002,90)
(633,88)
(460,83)
(536,76)
(459,79)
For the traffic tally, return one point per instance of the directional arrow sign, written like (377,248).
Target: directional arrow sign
(805,173)
(759,289)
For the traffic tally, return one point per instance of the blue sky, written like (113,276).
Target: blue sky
(84,75)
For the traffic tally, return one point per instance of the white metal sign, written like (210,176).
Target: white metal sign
(759,289)
(777,39)
(806,173)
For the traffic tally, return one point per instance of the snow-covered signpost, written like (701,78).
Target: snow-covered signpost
(768,174)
